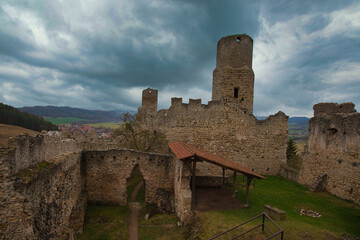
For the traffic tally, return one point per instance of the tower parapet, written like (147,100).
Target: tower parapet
(234,51)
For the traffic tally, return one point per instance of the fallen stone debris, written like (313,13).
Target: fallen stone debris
(309,213)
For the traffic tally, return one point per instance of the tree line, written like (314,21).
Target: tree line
(11,115)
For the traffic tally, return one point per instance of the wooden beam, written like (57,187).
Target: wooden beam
(234,183)
(193,182)
(223,179)
(248,182)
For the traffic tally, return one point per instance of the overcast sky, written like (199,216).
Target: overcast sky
(102,54)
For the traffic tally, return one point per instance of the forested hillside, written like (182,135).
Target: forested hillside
(11,115)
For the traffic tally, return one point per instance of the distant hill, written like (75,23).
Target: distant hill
(69,112)
(12,116)
(7,131)
(292,120)
(299,121)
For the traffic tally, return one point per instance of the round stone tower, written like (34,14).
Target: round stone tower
(233,77)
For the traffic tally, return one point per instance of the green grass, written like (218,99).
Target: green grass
(65,120)
(106,223)
(338,216)
(112,125)
(161,227)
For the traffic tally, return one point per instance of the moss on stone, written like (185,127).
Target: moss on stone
(28,174)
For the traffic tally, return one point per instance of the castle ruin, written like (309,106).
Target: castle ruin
(226,125)
(332,161)
(48,179)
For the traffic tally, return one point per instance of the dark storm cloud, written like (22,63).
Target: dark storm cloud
(100,55)
(122,45)
(305,55)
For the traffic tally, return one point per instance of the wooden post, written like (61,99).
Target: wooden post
(248,182)
(234,183)
(193,186)
(223,180)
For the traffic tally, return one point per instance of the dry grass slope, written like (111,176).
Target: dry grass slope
(7,131)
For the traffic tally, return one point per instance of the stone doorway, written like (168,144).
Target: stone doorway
(135,186)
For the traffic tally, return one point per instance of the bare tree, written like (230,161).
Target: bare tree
(139,138)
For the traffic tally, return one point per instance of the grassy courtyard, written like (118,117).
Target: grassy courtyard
(338,216)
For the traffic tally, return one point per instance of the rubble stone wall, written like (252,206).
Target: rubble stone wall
(38,148)
(224,129)
(334,149)
(39,194)
(183,191)
(106,174)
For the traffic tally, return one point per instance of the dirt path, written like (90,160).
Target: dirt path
(134,213)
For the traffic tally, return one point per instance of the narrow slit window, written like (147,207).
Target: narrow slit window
(236,92)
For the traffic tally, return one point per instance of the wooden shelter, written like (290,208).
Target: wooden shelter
(191,155)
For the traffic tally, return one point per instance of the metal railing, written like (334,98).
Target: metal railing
(262,225)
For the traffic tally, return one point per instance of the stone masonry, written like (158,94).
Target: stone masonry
(334,150)
(107,172)
(226,125)
(41,184)
(47,180)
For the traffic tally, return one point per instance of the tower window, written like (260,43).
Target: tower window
(238,39)
(236,92)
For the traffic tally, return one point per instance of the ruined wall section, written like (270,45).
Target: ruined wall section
(33,150)
(334,149)
(52,194)
(15,214)
(223,128)
(106,174)
(182,190)
(43,185)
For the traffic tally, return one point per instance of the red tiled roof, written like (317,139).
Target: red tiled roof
(185,151)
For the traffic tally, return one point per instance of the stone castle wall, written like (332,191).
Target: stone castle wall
(334,149)
(41,186)
(47,179)
(225,129)
(106,174)
(29,151)
(182,191)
